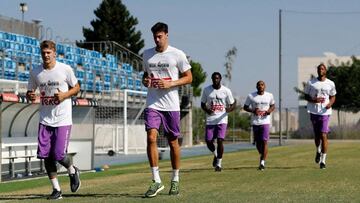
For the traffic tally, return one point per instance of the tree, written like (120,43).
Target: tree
(114,23)
(346,78)
(229,60)
(199,77)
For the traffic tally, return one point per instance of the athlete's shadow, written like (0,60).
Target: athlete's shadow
(242,168)
(83,195)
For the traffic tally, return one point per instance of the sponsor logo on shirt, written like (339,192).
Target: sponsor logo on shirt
(48,100)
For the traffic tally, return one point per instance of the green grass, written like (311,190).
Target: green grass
(291,176)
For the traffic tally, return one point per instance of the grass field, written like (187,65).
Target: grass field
(291,176)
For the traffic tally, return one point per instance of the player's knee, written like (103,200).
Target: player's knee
(50,166)
(151,140)
(66,162)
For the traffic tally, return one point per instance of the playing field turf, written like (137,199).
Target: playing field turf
(291,176)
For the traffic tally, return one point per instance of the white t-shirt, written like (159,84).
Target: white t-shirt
(61,76)
(262,102)
(217,100)
(164,65)
(323,89)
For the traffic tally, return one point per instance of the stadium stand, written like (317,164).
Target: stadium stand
(95,71)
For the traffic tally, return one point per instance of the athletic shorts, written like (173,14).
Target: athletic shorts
(53,141)
(215,131)
(169,119)
(261,132)
(320,123)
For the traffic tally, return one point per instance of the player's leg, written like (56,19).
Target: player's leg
(60,146)
(324,140)
(209,139)
(172,131)
(220,152)
(265,135)
(257,133)
(51,170)
(317,136)
(152,149)
(152,124)
(45,136)
(220,133)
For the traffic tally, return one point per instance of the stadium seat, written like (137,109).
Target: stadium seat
(130,83)
(138,84)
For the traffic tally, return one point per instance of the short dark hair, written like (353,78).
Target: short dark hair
(321,64)
(48,44)
(159,27)
(216,73)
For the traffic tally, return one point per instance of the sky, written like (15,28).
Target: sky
(206,29)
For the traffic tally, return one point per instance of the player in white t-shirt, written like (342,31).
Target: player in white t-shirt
(162,65)
(320,93)
(216,100)
(57,83)
(260,104)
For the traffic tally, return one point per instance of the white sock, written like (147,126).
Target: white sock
(71,169)
(319,149)
(55,184)
(156,174)
(215,153)
(219,162)
(175,175)
(323,158)
(262,162)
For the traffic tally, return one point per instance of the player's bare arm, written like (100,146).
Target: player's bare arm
(332,101)
(206,109)
(186,78)
(271,109)
(231,107)
(146,79)
(61,96)
(30,95)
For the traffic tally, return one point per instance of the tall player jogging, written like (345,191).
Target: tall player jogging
(162,65)
(261,104)
(216,101)
(57,83)
(320,93)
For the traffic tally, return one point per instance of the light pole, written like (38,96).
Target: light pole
(23,8)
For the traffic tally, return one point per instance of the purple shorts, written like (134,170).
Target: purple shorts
(53,142)
(215,131)
(320,123)
(261,132)
(169,119)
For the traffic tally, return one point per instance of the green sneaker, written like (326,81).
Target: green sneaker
(174,189)
(154,189)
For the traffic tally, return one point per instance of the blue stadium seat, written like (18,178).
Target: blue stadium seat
(130,83)
(98,85)
(9,64)
(138,84)
(89,85)
(60,49)
(80,74)
(89,76)
(23,75)
(106,85)
(107,77)
(122,82)
(9,74)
